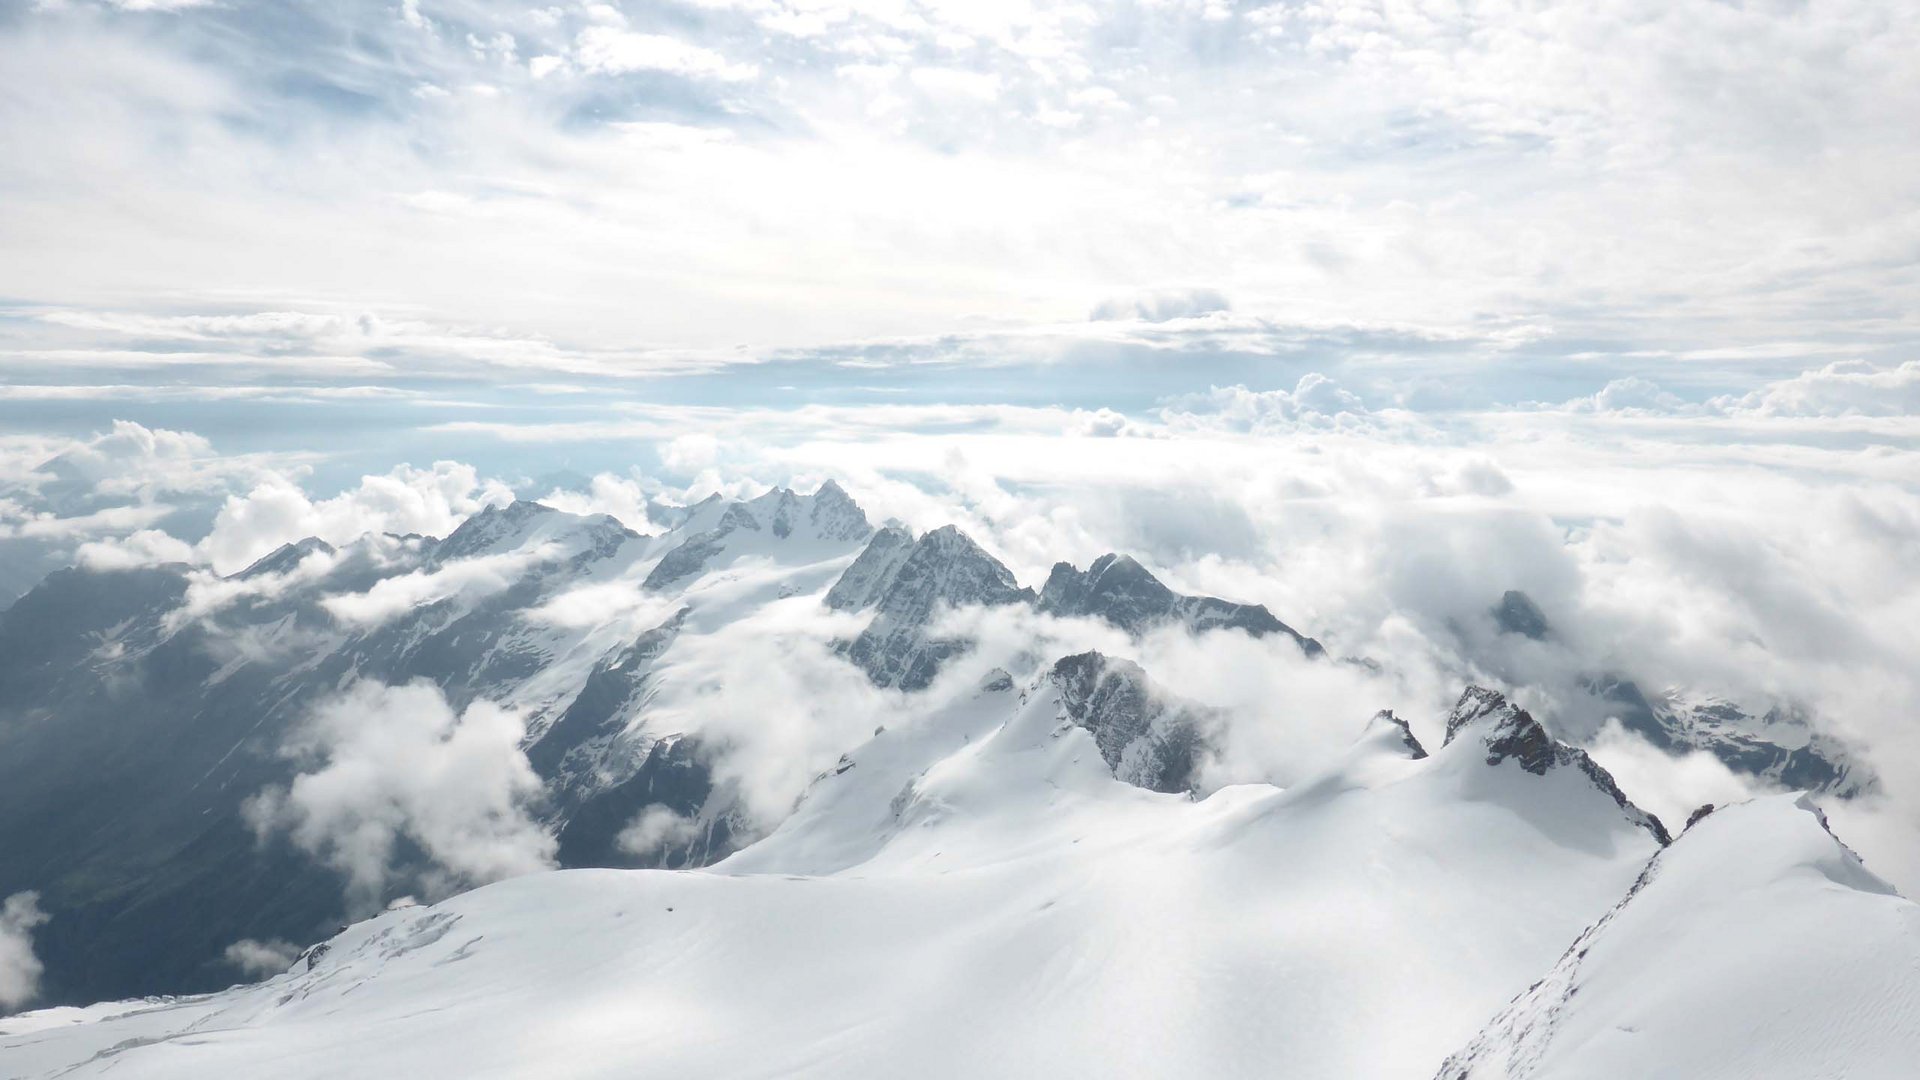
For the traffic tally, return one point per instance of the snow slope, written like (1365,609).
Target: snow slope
(1757,946)
(971,893)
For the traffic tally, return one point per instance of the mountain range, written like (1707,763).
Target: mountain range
(1027,870)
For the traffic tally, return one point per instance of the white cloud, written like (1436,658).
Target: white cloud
(143,548)
(20,969)
(1671,786)
(1161,305)
(396,763)
(1842,388)
(261,959)
(1314,399)
(430,502)
(610,50)
(468,580)
(655,826)
(1627,394)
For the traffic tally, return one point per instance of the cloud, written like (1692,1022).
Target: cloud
(611,50)
(19,968)
(468,580)
(391,768)
(276,511)
(261,959)
(1315,398)
(143,548)
(1670,786)
(1628,394)
(1842,388)
(1163,305)
(654,827)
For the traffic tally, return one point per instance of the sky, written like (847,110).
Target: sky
(400,231)
(1366,310)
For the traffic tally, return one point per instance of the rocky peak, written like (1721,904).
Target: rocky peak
(1147,738)
(904,584)
(826,517)
(1516,613)
(863,583)
(1120,591)
(491,528)
(1385,720)
(1508,732)
(835,516)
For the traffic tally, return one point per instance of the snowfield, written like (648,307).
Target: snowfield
(1009,910)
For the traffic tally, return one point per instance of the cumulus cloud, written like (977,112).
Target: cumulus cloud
(1670,786)
(261,959)
(143,548)
(1628,394)
(393,768)
(20,969)
(1842,388)
(1315,398)
(625,498)
(431,501)
(770,695)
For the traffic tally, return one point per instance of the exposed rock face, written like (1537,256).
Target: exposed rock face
(581,743)
(1119,590)
(904,586)
(1516,613)
(1147,738)
(1405,733)
(1779,746)
(1510,733)
(865,583)
(674,777)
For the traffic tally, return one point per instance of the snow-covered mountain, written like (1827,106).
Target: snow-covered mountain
(976,894)
(1756,946)
(1010,858)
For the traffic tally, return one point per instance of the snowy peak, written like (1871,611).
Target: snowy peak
(285,558)
(1147,738)
(864,583)
(904,585)
(1119,590)
(522,525)
(778,524)
(1757,945)
(1487,721)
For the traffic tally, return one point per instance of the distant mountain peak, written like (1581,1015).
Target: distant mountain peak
(286,557)
(904,581)
(1516,613)
(1120,591)
(1507,732)
(826,518)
